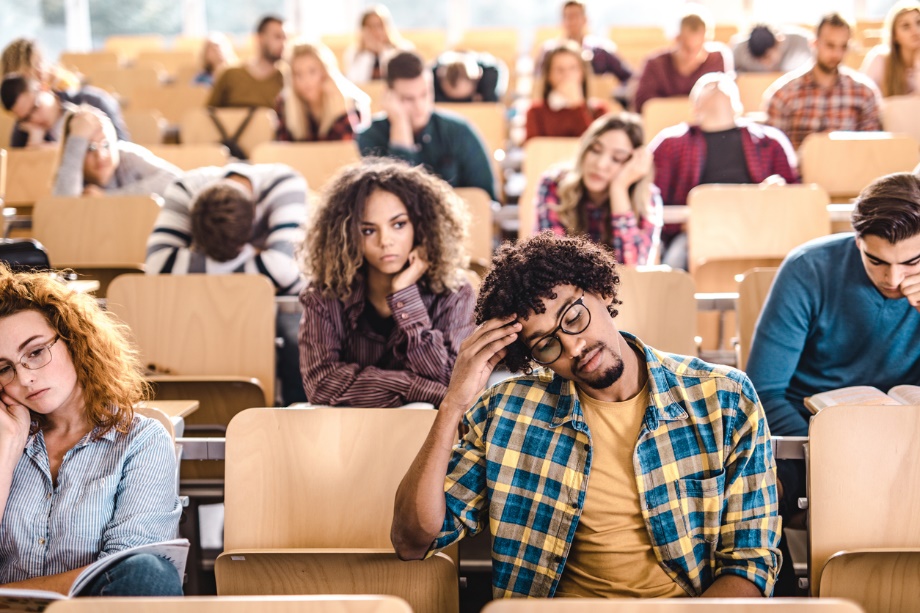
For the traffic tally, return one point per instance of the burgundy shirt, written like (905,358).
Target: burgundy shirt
(345,361)
(660,78)
(544,121)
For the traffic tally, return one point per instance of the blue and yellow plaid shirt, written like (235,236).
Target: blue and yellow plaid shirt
(704,470)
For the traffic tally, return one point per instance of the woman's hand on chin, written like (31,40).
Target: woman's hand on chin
(418,266)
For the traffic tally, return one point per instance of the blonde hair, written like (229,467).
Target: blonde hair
(572,188)
(894,82)
(24,57)
(217,39)
(332,254)
(393,36)
(108,366)
(346,95)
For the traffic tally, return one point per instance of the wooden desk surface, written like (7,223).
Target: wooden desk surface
(173,408)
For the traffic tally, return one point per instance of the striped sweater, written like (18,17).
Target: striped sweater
(280,194)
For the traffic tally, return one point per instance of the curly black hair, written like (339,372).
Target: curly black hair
(526,273)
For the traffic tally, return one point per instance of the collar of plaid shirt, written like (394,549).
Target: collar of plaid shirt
(704,471)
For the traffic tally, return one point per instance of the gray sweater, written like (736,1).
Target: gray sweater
(139,171)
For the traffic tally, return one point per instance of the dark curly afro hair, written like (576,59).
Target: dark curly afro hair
(526,273)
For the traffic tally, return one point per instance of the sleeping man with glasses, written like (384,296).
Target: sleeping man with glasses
(94,162)
(608,469)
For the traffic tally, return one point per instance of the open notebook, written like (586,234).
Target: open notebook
(176,551)
(864,394)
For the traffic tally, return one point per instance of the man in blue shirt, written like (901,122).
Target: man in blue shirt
(842,311)
(412,130)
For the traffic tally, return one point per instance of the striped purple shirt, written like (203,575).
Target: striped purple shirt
(344,361)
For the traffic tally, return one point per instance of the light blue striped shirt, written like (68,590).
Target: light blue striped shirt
(112,493)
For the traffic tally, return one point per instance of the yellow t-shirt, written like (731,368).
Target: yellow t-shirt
(611,555)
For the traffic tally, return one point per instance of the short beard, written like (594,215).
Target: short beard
(268,57)
(605,379)
(825,68)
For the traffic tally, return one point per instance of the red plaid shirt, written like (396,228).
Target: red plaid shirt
(680,154)
(342,129)
(631,237)
(799,106)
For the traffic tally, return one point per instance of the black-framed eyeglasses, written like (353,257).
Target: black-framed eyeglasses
(35,358)
(575,320)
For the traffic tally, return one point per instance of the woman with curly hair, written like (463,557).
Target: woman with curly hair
(608,193)
(388,302)
(78,468)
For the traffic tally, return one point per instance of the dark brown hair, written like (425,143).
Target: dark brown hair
(834,20)
(889,208)
(404,65)
(573,48)
(222,219)
(526,273)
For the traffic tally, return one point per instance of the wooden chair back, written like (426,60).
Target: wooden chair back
(880,581)
(376,90)
(160,416)
(171,60)
(128,46)
(90,63)
(675,605)
(172,101)
(429,43)
(659,307)
(724,32)
(30,174)
(317,162)
(843,163)
(182,324)
(751,86)
(901,114)
(146,127)
(753,290)
(540,154)
(502,43)
(127,82)
(646,35)
(101,238)
(7,123)
(87,232)
(189,157)
(3,174)
(488,118)
(333,461)
(480,242)
(661,113)
(733,228)
(235,604)
(197,127)
(858,456)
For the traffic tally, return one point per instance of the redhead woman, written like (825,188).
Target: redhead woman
(81,476)
(608,192)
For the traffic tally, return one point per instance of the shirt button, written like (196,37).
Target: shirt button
(587,447)
(400,305)
(41,541)
(405,316)
(559,559)
(574,504)
(49,496)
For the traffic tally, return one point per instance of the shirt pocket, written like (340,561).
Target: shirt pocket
(701,502)
(95,507)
